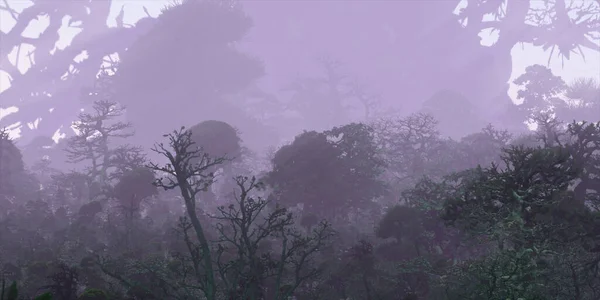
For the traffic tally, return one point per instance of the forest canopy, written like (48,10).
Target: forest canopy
(197,182)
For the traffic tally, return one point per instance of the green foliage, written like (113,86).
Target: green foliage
(44,296)
(483,217)
(520,211)
(12,293)
(507,201)
(500,276)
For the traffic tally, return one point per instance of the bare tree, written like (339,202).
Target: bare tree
(260,269)
(95,130)
(407,143)
(372,103)
(549,128)
(244,264)
(188,170)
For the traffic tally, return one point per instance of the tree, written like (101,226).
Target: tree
(321,101)
(333,98)
(39,149)
(330,173)
(11,163)
(452,52)
(95,133)
(135,186)
(186,170)
(404,223)
(15,181)
(193,66)
(49,89)
(583,101)
(583,144)
(580,141)
(540,90)
(216,138)
(523,189)
(93,294)
(278,271)
(243,274)
(356,274)
(12,292)
(65,281)
(482,148)
(525,212)
(456,115)
(411,147)
(371,103)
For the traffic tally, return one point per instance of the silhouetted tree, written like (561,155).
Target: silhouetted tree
(65,281)
(11,163)
(95,133)
(321,101)
(47,93)
(345,158)
(482,148)
(186,170)
(411,147)
(455,114)
(540,89)
(193,66)
(254,272)
(583,101)
(15,181)
(521,210)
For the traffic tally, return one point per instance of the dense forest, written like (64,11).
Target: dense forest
(180,184)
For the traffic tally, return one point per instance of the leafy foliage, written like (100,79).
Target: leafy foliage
(216,138)
(344,157)
(418,207)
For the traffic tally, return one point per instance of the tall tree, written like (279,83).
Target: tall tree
(218,139)
(540,90)
(456,115)
(583,101)
(525,213)
(321,100)
(187,171)
(96,132)
(49,89)
(421,56)
(329,172)
(183,59)
(14,179)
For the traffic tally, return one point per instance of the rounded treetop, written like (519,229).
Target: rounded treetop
(216,138)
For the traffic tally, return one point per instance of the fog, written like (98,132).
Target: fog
(300,150)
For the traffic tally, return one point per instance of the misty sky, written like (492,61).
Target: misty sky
(523,56)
